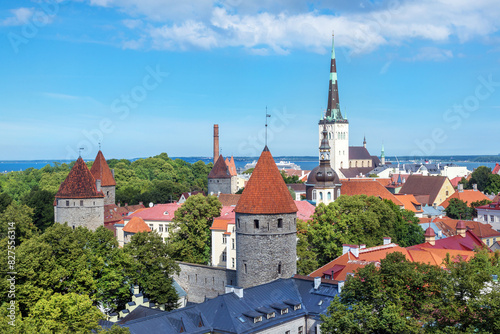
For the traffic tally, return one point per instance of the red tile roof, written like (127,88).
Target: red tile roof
(219,170)
(367,187)
(136,225)
(100,170)
(449,227)
(468,196)
(496,170)
(492,206)
(79,183)
(114,213)
(306,210)
(229,199)
(410,202)
(455,181)
(220,224)
(231,166)
(159,212)
(266,192)
(469,243)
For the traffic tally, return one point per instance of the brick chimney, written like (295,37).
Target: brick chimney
(461,228)
(216,142)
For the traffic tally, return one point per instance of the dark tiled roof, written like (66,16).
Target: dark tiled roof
(359,153)
(266,192)
(79,183)
(297,187)
(375,161)
(229,199)
(356,171)
(100,170)
(220,170)
(423,185)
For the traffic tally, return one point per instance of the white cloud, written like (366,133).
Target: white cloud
(432,54)
(20,16)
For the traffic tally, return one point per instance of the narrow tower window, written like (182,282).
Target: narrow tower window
(280,223)
(279,268)
(245,268)
(256,224)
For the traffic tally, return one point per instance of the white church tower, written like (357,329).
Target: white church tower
(337,125)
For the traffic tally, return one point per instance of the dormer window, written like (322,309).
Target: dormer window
(284,311)
(271,315)
(257,319)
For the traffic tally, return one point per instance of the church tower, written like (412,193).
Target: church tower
(100,170)
(337,126)
(323,184)
(266,227)
(80,201)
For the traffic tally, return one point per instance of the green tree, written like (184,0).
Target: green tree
(476,204)
(493,186)
(458,209)
(17,217)
(481,177)
(5,201)
(191,237)
(69,313)
(307,261)
(152,268)
(290,179)
(41,201)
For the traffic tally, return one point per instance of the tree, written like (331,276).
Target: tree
(307,262)
(290,179)
(41,201)
(476,204)
(493,186)
(69,313)
(5,201)
(152,268)
(458,209)
(481,177)
(358,219)
(191,237)
(17,218)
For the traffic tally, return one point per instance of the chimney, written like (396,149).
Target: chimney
(140,203)
(345,248)
(362,246)
(434,205)
(387,240)
(317,282)
(355,250)
(430,236)
(238,291)
(474,186)
(461,228)
(98,185)
(113,317)
(229,288)
(460,188)
(136,289)
(340,286)
(216,142)
(119,204)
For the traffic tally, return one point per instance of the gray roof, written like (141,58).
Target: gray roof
(228,313)
(359,153)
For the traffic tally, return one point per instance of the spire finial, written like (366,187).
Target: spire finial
(99,146)
(80,152)
(267,115)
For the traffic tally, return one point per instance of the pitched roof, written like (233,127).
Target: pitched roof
(159,212)
(492,206)
(496,170)
(115,213)
(306,210)
(136,225)
(266,192)
(359,153)
(410,202)
(231,166)
(448,226)
(100,170)
(220,224)
(354,172)
(468,196)
(219,170)
(367,187)
(228,199)
(457,242)
(79,183)
(454,181)
(423,185)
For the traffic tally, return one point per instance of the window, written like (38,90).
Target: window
(280,222)
(81,202)
(287,332)
(320,196)
(494,240)
(338,193)
(160,228)
(256,224)
(447,192)
(329,196)
(314,195)
(301,330)
(257,319)
(488,242)
(224,256)
(67,203)
(245,269)
(232,243)
(492,218)
(279,268)
(485,218)
(239,223)
(107,193)
(232,262)
(297,307)
(151,226)
(224,239)
(271,315)
(284,311)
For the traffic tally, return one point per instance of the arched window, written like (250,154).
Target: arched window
(279,268)
(329,196)
(320,196)
(338,193)
(314,195)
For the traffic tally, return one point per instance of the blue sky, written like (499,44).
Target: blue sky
(145,77)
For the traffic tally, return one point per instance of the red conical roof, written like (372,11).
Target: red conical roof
(79,183)
(100,170)
(219,170)
(266,192)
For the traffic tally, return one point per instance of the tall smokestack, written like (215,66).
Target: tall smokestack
(216,142)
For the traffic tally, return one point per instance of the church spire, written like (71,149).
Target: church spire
(333,109)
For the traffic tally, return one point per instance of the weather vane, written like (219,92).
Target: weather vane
(267,115)
(80,151)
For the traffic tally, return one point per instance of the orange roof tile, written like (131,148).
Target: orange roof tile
(79,183)
(220,224)
(100,170)
(468,196)
(136,225)
(410,202)
(229,199)
(266,192)
(219,170)
(369,187)
(231,166)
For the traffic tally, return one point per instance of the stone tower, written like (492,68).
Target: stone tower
(222,178)
(266,227)
(80,201)
(100,170)
(323,184)
(337,125)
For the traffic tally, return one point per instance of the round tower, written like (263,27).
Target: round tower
(266,227)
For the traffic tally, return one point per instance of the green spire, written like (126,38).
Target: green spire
(383,152)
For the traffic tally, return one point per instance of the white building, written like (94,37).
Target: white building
(490,214)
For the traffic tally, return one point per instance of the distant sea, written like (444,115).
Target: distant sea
(305,162)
